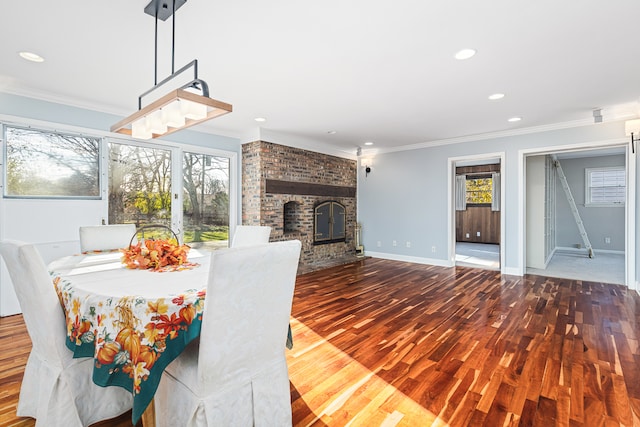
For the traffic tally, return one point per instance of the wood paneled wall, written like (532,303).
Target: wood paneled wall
(478,219)
(478,169)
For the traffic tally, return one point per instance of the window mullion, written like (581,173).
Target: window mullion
(177,184)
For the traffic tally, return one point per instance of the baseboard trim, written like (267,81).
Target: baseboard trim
(513,271)
(413,259)
(431,261)
(584,251)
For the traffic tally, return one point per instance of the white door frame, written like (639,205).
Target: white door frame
(451,170)
(630,205)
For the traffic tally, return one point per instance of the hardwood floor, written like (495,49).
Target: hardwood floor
(389,343)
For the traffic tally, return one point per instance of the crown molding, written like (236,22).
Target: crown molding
(301,142)
(61,99)
(490,135)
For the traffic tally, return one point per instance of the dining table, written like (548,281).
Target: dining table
(132,322)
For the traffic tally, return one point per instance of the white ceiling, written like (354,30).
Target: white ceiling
(371,70)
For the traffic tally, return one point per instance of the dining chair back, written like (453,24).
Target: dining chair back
(249,235)
(237,373)
(56,390)
(106,237)
(37,297)
(50,251)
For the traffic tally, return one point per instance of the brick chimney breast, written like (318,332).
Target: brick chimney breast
(280,182)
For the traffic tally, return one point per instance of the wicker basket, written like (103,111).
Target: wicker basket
(149,227)
(156,254)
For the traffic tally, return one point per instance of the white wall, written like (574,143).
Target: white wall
(535,209)
(51,223)
(405,196)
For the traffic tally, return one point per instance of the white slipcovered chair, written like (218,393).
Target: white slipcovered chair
(50,251)
(57,390)
(236,374)
(106,237)
(249,235)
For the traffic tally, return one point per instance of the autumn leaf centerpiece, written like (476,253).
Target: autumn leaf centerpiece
(155,254)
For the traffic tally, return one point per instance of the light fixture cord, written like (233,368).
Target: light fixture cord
(173,43)
(155,63)
(173,39)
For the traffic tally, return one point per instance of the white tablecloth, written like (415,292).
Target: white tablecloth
(103,275)
(133,322)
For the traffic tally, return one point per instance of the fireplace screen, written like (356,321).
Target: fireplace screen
(329,222)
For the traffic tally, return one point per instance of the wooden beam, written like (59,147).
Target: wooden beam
(308,189)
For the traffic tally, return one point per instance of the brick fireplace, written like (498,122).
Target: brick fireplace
(282,187)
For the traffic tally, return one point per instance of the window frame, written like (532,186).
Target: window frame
(588,202)
(45,130)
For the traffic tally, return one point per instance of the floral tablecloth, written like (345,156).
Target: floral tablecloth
(132,322)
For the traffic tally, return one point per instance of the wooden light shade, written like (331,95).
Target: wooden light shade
(214,108)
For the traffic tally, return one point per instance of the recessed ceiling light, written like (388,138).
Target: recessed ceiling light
(368,143)
(465,54)
(30,56)
(260,119)
(514,119)
(495,96)
(332,132)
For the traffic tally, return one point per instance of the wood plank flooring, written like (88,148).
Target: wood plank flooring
(387,343)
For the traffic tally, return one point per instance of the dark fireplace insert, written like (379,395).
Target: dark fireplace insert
(329,223)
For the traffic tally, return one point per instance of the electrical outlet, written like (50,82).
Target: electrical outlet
(478,233)
(607,240)
(395,243)
(433,249)
(466,235)
(379,244)
(408,244)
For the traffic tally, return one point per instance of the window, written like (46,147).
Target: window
(605,186)
(139,185)
(140,192)
(43,164)
(205,199)
(479,190)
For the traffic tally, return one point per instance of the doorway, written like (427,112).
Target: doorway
(575,214)
(477,223)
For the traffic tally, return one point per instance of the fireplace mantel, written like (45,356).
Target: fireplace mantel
(274,186)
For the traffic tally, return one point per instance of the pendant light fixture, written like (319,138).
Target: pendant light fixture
(180,108)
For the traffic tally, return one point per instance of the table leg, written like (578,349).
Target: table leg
(149,415)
